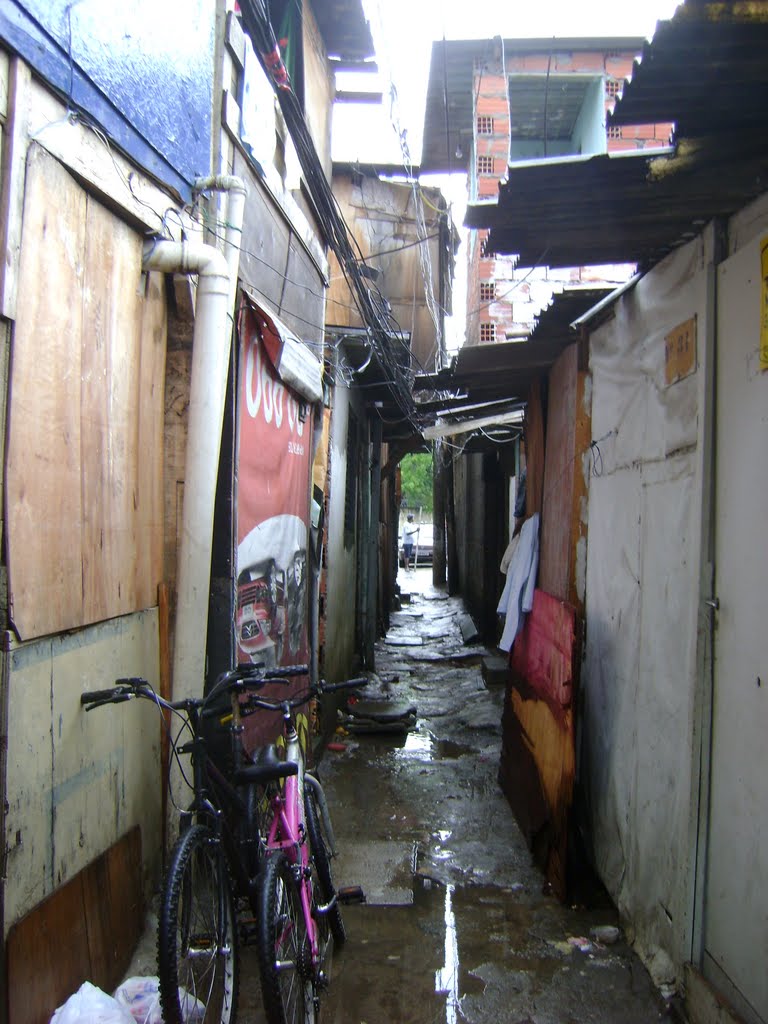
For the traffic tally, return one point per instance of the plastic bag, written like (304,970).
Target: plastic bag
(89,1005)
(141,997)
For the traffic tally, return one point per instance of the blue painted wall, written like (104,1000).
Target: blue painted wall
(141,69)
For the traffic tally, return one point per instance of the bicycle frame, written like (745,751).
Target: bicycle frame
(288,830)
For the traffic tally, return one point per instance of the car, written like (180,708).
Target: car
(422,546)
(261,613)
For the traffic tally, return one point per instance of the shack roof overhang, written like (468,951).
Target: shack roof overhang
(363,371)
(705,71)
(620,208)
(489,382)
(344,28)
(449,108)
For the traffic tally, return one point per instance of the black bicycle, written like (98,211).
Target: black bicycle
(217,857)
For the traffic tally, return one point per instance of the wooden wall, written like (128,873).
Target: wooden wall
(86,931)
(84,469)
(563,508)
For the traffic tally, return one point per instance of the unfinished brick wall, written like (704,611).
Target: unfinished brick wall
(521,294)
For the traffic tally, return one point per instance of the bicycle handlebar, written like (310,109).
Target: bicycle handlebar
(275,703)
(240,677)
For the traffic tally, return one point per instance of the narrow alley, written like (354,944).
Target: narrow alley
(458,925)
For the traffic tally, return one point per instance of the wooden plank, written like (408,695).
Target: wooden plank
(126,907)
(44,511)
(149,413)
(112,261)
(15,142)
(48,956)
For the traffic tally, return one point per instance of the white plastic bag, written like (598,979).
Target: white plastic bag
(141,997)
(89,1005)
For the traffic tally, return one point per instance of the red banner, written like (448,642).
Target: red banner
(273,495)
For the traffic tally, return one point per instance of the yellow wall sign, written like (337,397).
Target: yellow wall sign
(764,305)
(680,351)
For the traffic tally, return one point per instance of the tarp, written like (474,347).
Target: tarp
(638,678)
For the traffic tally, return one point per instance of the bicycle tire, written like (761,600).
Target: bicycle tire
(197,942)
(284,957)
(322,857)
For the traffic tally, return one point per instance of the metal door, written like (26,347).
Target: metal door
(736,893)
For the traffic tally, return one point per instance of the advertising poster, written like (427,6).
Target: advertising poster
(273,483)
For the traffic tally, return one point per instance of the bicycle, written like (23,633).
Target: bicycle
(219,836)
(299,910)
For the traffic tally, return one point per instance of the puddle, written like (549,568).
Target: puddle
(422,745)
(417,964)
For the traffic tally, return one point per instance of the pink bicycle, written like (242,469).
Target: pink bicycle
(299,909)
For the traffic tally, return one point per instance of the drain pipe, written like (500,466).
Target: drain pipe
(217,282)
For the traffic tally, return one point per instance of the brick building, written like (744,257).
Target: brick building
(494,102)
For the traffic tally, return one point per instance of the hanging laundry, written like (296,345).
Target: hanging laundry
(517,596)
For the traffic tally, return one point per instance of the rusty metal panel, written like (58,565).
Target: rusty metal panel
(538,759)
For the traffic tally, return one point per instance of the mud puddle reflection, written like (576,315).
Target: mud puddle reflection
(423,963)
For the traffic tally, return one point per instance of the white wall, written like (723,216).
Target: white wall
(341,572)
(640,672)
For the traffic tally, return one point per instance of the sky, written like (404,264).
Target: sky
(403,32)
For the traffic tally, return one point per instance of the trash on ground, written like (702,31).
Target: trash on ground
(89,1005)
(379,716)
(141,997)
(606,934)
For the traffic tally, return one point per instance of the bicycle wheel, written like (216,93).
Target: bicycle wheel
(197,953)
(321,855)
(284,955)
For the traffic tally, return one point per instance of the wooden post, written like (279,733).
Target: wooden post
(164,625)
(371,596)
(439,506)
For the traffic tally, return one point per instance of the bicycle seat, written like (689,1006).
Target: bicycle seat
(266,767)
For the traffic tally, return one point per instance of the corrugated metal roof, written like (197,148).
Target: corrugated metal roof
(507,369)
(344,28)
(448,113)
(620,208)
(705,69)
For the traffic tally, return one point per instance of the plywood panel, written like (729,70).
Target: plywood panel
(86,931)
(85,418)
(109,393)
(47,956)
(44,510)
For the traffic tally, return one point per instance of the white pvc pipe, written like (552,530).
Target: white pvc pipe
(208,386)
(233,221)
(214,306)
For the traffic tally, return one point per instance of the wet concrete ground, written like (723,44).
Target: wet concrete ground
(458,925)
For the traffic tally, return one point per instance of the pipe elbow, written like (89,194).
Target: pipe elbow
(220,183)
(184,258)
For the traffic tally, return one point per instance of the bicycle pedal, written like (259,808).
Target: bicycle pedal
(351,894)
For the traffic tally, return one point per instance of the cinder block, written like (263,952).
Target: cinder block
(495,670)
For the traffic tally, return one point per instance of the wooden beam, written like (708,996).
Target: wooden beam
(449,429)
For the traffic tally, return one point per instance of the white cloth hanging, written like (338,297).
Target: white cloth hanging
(517,596)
